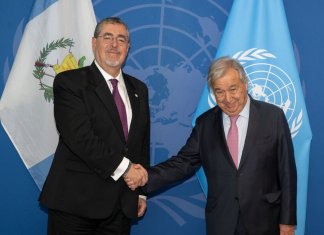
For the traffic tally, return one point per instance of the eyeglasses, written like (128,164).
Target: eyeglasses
(122,40)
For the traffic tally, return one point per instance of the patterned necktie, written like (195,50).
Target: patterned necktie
(232,140)
(120,106)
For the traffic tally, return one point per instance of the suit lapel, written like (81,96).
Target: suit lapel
(223,144)
(251,135)
(104,94)
(134,99)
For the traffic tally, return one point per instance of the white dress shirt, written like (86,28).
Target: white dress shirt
(242,125)
(123,93)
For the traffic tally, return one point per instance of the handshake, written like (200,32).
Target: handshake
(135,176)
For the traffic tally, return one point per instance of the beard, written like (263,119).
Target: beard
(112,63)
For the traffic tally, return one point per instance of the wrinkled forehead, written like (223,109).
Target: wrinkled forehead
(229,75)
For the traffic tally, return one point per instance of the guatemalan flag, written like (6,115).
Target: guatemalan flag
(257,35)
(56,38)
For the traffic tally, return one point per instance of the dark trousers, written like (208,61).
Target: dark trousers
(240,228)
(61,223)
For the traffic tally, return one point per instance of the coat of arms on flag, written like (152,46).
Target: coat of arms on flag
(69,62)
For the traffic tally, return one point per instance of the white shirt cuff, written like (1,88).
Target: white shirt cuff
(120,169)
(142,196)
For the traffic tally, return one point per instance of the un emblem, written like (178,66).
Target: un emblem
(270,83)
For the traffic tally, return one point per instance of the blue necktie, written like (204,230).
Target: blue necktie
(120,106)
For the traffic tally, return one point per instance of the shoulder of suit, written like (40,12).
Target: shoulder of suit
(76,77)
(134,81)
(266,107)
(73,73)
(211,113)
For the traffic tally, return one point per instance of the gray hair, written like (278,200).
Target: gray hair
(109,20)
(219,67)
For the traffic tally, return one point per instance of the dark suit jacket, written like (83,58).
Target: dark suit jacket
(92,145)
(263,189)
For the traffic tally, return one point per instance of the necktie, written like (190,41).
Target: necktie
(232,140)
(120,106)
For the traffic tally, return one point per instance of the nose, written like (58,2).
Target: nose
(114,42)
(227,97)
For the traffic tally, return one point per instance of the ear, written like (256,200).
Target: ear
(128,46)
(94,43)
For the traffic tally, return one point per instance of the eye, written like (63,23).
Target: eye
(233,90)
(121,39)
(219,93)
(108,37)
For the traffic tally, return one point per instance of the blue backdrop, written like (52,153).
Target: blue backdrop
(173,43)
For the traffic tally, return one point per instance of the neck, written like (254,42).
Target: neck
(112,71)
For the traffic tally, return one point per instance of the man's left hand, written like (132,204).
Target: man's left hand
(287,229)
(141,206)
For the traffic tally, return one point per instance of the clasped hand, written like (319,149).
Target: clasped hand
(136,176)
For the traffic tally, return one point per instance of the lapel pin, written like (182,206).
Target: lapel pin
(136,95)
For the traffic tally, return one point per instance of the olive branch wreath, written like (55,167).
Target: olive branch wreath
(39,71)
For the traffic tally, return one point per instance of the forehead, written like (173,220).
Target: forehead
(113,28)
(230,78)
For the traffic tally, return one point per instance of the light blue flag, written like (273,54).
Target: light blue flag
(257,35)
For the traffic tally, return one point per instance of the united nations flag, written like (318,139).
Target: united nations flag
(257,35)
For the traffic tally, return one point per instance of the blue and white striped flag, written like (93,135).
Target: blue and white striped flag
(257,35)
(56,38)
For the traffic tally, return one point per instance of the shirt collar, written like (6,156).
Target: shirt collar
(245,111)
(107,76)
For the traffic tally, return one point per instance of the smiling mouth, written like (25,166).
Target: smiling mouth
(113,52)
(231,106)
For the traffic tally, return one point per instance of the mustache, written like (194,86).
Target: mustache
(113,50)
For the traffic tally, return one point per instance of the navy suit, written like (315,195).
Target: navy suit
(262,189)
(92,145)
